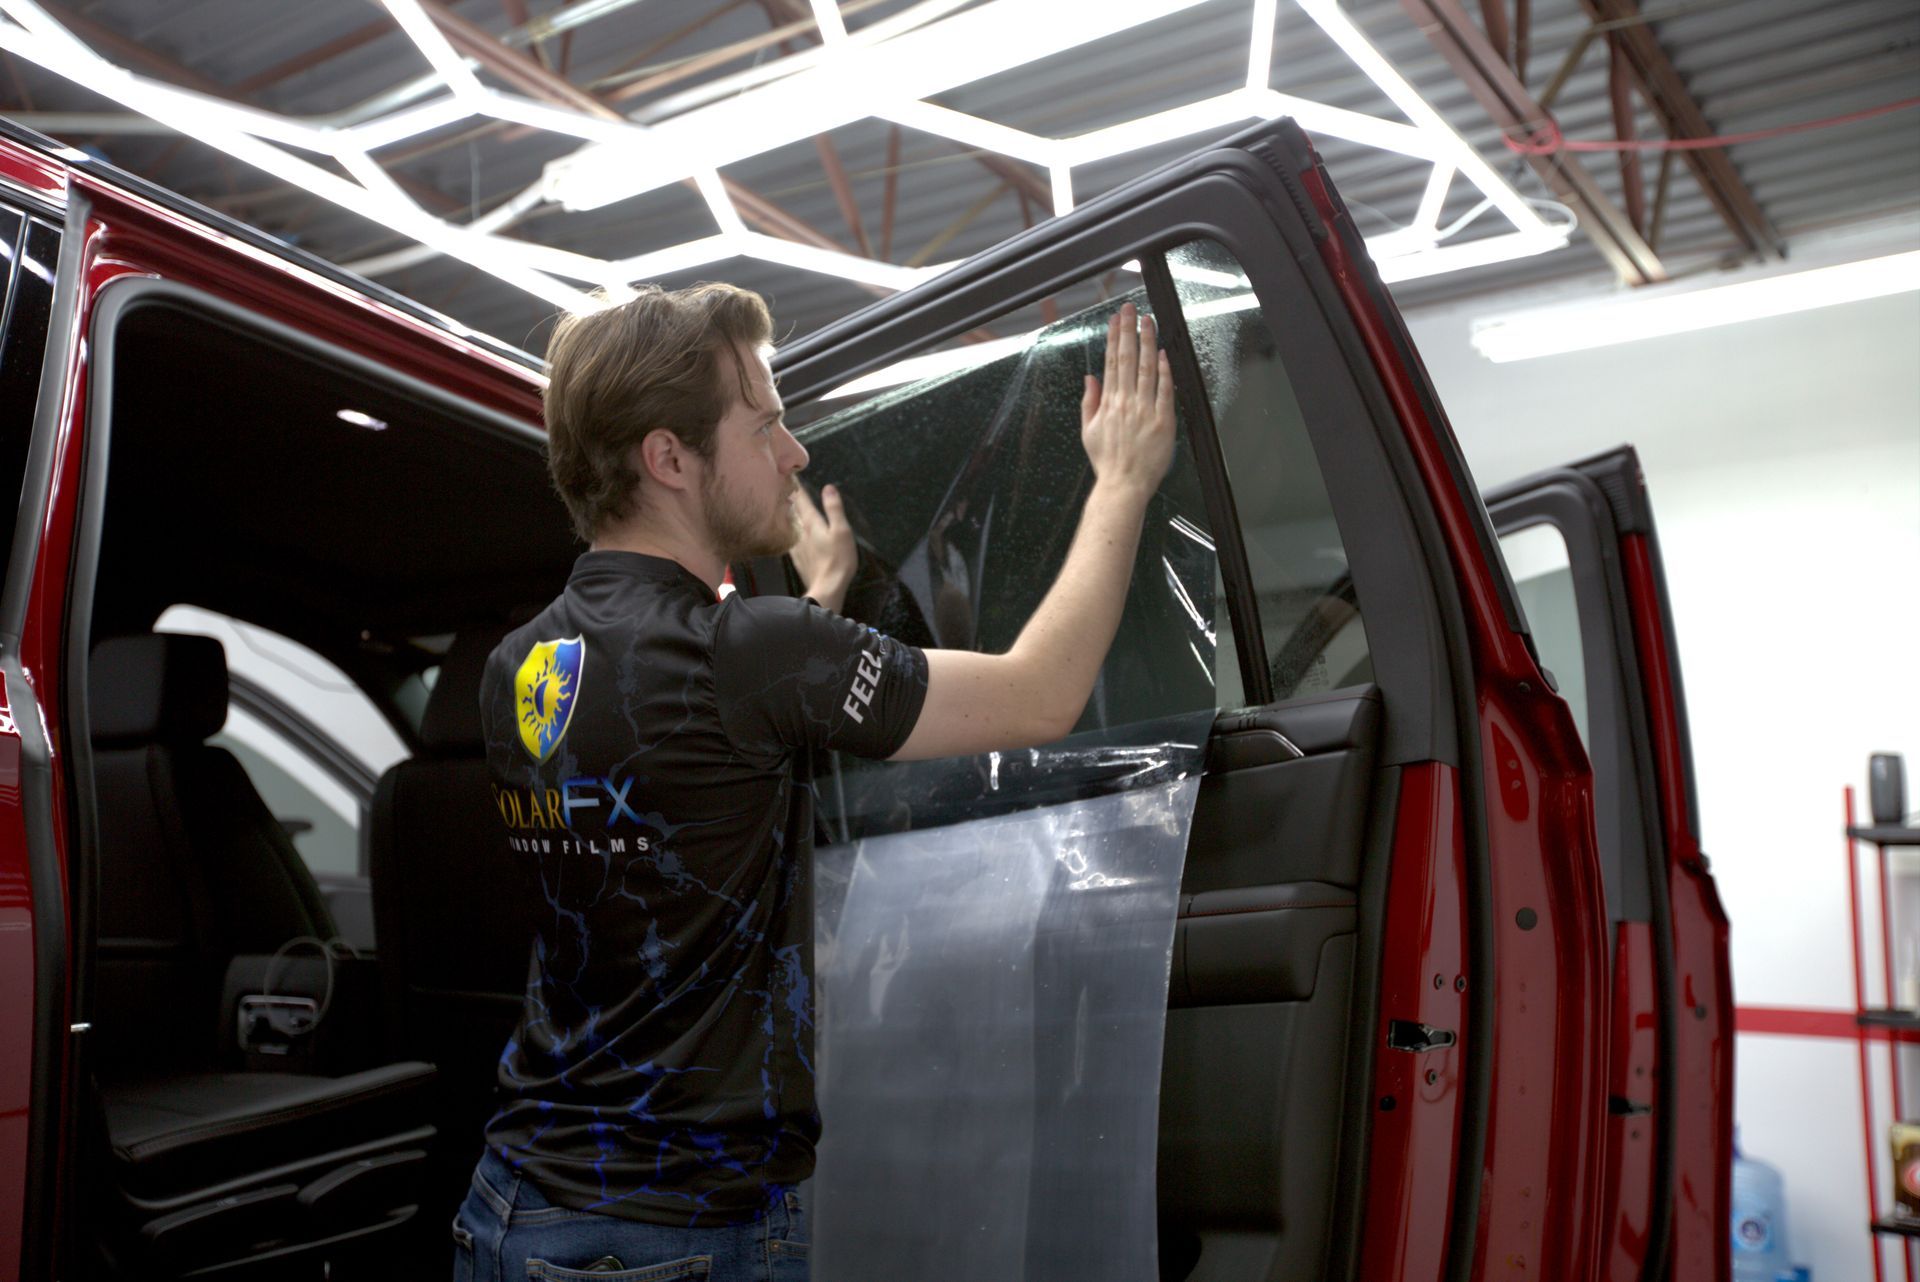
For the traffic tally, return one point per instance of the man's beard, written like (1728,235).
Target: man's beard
(739,533)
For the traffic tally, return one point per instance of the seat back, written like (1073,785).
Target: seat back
(194,869)
(451,911)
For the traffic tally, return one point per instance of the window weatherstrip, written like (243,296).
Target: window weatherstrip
(1191,390)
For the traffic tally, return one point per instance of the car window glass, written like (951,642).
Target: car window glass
(1314,636)
(964,490)
(320,815)
(284,771)
(29,248)
(1536,556)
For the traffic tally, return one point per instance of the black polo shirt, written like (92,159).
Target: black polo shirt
(648,748)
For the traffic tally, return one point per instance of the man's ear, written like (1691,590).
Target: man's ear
(666,458)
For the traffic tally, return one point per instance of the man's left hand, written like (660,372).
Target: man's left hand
(825,554)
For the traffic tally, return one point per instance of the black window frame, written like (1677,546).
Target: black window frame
(1376,503)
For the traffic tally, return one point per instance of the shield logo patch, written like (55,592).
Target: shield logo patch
(545,689)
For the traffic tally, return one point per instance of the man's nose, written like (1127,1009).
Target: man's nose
(797,456)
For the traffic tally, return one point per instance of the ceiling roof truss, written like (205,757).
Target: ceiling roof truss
(889,70)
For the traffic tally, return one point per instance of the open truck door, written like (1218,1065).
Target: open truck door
(1581,546)
(1388,1038)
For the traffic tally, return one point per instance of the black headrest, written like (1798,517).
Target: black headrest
(162,687)
(452,721)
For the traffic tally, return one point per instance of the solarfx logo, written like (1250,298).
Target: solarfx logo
(551,812)
(545,690)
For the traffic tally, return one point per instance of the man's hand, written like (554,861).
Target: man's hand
(825,554)
(1126,418)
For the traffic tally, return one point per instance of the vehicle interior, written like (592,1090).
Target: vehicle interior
(261,1101)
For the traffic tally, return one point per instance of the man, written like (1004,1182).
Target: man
(649,746)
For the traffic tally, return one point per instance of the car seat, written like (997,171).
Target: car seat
(194,1163)
(453,913)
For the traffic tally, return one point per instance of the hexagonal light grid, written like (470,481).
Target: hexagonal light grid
(886,70)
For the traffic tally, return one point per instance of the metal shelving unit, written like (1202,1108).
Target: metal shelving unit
(1895,1027)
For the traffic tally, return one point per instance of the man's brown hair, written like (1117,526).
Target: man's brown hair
(655,361)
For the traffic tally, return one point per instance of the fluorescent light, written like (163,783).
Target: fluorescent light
(995,37)
(213,127)
(1650,314)
(1160,127)
(359,418)
(826,15)
(411,123)
(1260,48)
(1475,253)
(719,203)
(1434,198)
(1338,122)
(1341,29)
(434,46)
(558,120)
(972,131)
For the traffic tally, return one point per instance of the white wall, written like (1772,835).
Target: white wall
(1783,460)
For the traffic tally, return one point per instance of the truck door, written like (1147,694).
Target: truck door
(38,338)
(1387,1035)
(1580,543)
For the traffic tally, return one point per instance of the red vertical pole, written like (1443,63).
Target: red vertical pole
(1860,1037)
(1893,1043)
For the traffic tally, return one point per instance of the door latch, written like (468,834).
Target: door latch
(1407,1035)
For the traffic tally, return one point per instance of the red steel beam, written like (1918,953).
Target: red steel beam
(1633,187)
(890,197)
(843,192)
(1500,92)
(1494,14)
(1673,104)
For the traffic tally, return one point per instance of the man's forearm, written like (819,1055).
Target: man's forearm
(1061,649)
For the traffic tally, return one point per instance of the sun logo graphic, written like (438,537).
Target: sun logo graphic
(545,690)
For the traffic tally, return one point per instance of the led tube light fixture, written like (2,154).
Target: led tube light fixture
(1650,314)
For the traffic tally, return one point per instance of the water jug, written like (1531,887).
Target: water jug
(1760,1249)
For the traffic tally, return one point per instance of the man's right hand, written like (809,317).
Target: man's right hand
(1126,418)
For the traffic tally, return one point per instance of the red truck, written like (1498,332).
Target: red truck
(1450,994)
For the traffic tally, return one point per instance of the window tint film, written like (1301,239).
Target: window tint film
(1314,637)
(1543,575)
(964,489)
(30,248)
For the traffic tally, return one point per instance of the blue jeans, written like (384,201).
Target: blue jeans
(507,1232)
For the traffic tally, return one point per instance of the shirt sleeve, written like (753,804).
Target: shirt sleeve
(789,673)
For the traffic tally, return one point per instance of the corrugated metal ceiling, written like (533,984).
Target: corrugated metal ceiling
(1751,65)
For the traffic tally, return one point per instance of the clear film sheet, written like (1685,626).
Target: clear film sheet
(994,934)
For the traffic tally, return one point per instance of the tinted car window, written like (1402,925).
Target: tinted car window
(965,489)
(29,247)
(1315,639)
